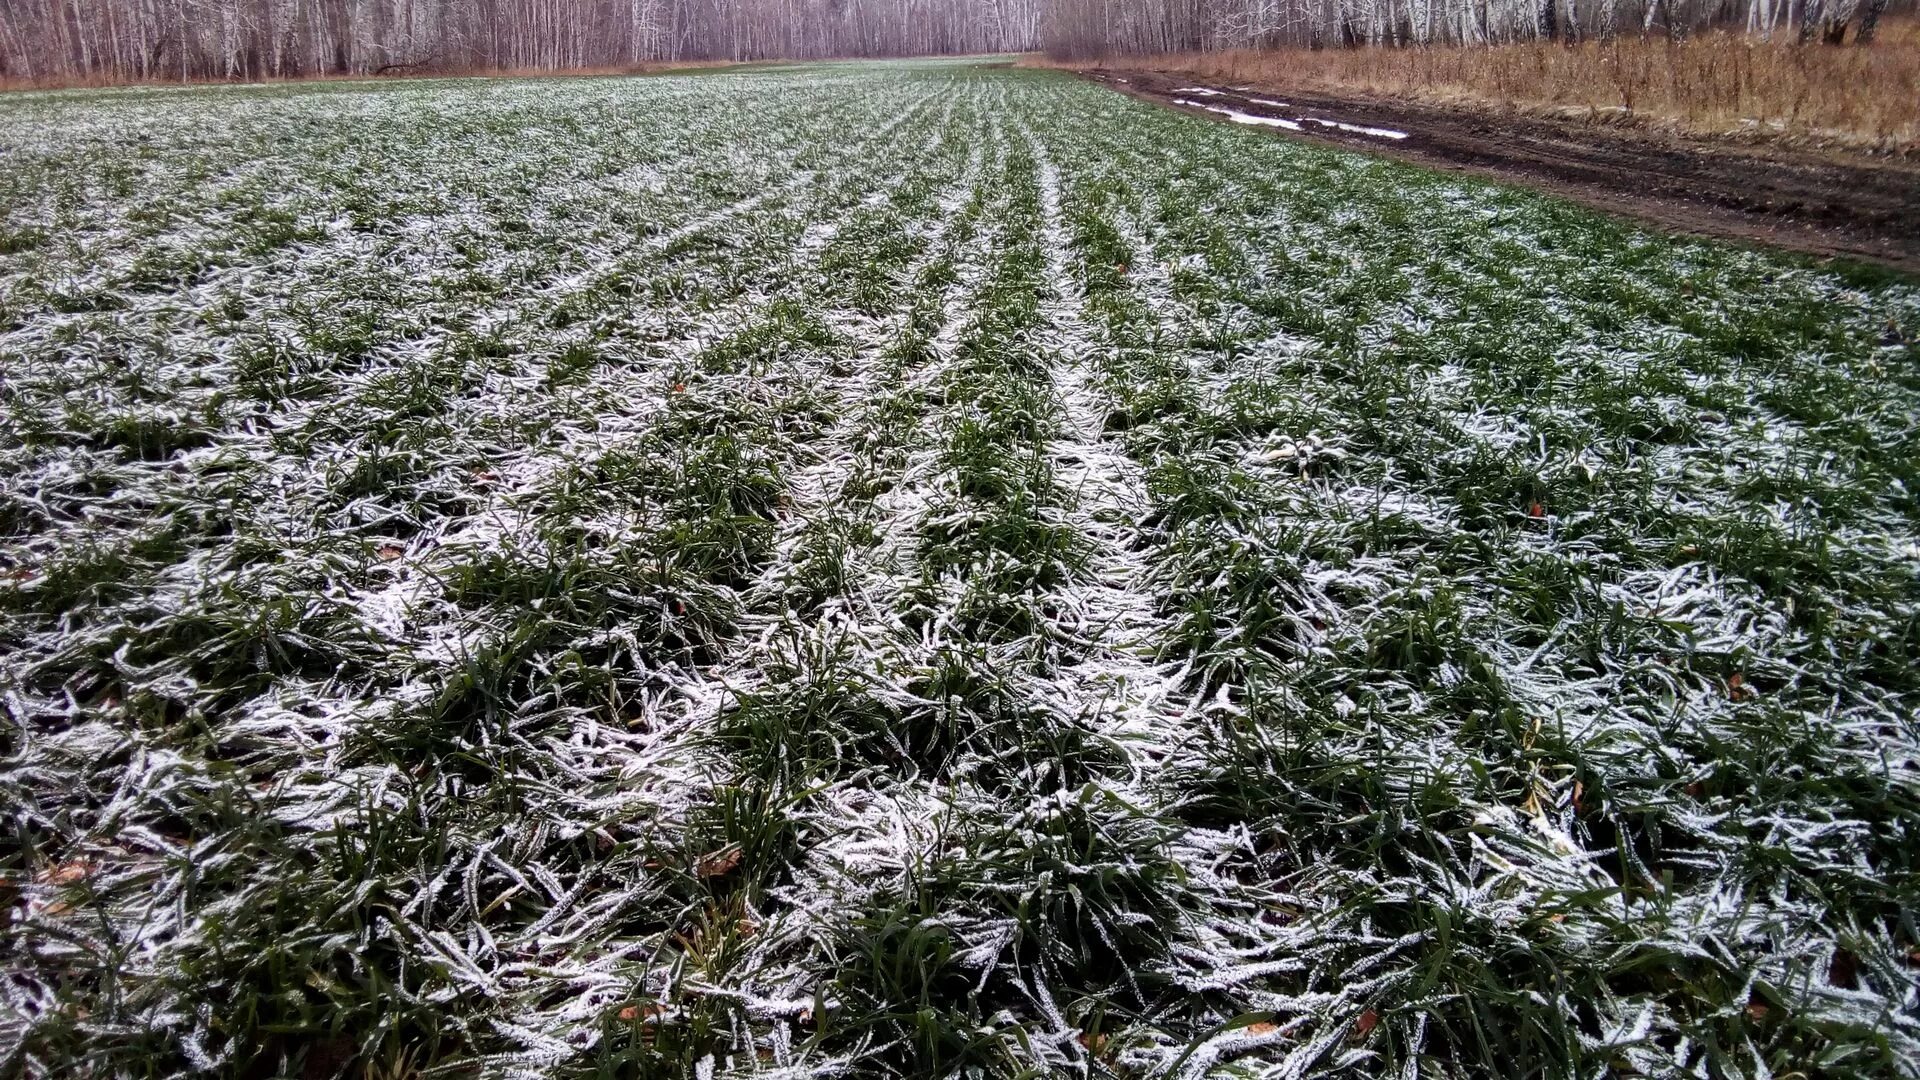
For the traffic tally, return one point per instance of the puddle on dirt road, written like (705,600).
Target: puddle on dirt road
(1240,117)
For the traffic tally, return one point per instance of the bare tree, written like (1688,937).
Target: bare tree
(123,40)
(126,40)
(1089,27)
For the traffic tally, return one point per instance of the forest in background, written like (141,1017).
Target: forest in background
(140,40)
(1080,28)
(78,41)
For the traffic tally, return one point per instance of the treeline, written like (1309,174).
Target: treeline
(54,41)
(1078,28)
(124,40)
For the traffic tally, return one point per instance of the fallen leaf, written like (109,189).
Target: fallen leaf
(1365,1023)
(1262,1027)
(65,873)
(719,863)
(1757,1010)
(1094,1041)
(648,1011)
(390,552)
(1536,510)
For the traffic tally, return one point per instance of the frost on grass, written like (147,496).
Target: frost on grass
(914,569)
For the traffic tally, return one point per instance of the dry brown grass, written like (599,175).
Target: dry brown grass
(1716,84)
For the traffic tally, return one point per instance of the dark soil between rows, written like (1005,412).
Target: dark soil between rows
(1823,204)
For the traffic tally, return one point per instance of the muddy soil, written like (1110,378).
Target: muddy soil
(1827,205)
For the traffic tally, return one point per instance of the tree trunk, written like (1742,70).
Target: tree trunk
(1869,21)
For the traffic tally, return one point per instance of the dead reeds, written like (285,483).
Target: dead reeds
(1722,84)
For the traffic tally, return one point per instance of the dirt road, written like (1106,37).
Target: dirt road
(1824,205)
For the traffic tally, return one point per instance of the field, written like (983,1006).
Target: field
(916,569)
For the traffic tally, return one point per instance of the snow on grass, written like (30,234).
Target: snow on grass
(917,569)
